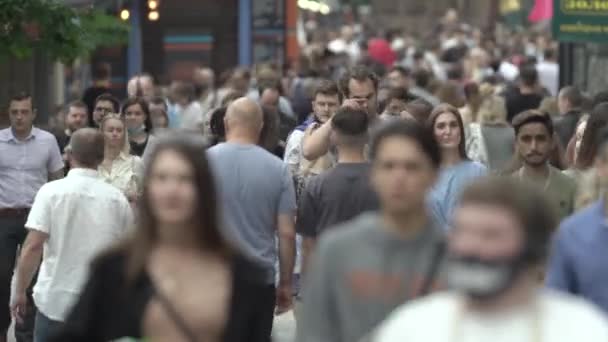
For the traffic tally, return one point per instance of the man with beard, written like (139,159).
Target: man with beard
(500,234)
(534,141)
(76,117)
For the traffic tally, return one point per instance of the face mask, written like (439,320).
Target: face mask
(136,130)
(481,279)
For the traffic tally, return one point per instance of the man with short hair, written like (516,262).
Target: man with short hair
(204,88)
(359,88)
(29,157)
(104,104)
(526,95)
(342,192)
(76,117)
(569,102)
(66,231)
(500,235)
(258,201)
(578,257)
(534,142)
(395,103)
(363,269)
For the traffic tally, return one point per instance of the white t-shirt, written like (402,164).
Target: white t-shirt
(560,317)
(548,76)
(82,215)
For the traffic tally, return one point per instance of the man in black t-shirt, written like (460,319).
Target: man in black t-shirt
(341,193)
(526,95)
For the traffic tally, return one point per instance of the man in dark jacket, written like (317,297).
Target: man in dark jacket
(569,102)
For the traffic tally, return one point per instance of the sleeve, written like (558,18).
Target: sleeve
(293,148)
(55,160)
(39,217)
(307,222)
(127,219)
(560,271)
(317,321)
(287,201)
(138,170)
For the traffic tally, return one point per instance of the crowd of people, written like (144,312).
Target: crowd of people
(380,191)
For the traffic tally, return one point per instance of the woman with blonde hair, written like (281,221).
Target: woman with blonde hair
(119,168)
(490,141)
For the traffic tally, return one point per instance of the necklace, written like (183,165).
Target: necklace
(535,326)
(522,177)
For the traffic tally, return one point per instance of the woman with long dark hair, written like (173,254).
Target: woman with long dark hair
(176,279)
(457,170)
(139,123)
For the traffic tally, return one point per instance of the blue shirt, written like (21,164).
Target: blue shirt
(446,192)
(579,259)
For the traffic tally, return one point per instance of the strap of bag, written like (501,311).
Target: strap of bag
(431,274)
(177,319)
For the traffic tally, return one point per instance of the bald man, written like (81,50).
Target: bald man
(66,233)
(258,202)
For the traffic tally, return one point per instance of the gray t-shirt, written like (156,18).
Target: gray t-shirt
(360,272)
(254,187)
(335,196)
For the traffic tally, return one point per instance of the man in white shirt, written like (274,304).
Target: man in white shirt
(499,237)
(548,72)
(71,221)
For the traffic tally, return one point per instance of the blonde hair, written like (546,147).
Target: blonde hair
(126,147)
(493,108)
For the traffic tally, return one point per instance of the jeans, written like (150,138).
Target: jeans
(45,327)
(12,235)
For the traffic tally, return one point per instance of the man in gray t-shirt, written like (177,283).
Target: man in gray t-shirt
(257,199)
(363,269)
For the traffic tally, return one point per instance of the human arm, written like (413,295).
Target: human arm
(560,270)
(29,260)
(286,236)
(316,141)
(54,163)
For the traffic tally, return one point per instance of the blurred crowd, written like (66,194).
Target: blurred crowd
(382,187)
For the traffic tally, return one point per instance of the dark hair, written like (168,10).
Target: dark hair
(206,220)
(350,122)
(403,71)
(75,104)
(272,84)
(528,75)
(532,116)
(549,53)
(422,78)
(216,124)
(101,71)
(527,203)
(108,97)
(87,147)
(360,73)
(573,95)
(400,94)
(420,109)
(600,97)
(588,150)
(269,136)
(20,96)
(409,130)
(471,89)
(327,88)
(446,108)
(130,102)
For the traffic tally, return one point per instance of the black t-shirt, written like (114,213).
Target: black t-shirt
(137,149)
(335,196)
(517,102)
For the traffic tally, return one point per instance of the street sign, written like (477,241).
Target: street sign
(581,20)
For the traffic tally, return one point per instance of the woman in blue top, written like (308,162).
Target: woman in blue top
(457,170)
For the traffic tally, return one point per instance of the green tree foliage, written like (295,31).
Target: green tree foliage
(62,32)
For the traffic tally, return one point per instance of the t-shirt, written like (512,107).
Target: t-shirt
(254,187)
(335,196)
(446,192)
(518,102)
(359,273)
(82,216)
(439,317)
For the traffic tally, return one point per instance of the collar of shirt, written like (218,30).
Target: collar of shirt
(82,172)
(8,135)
